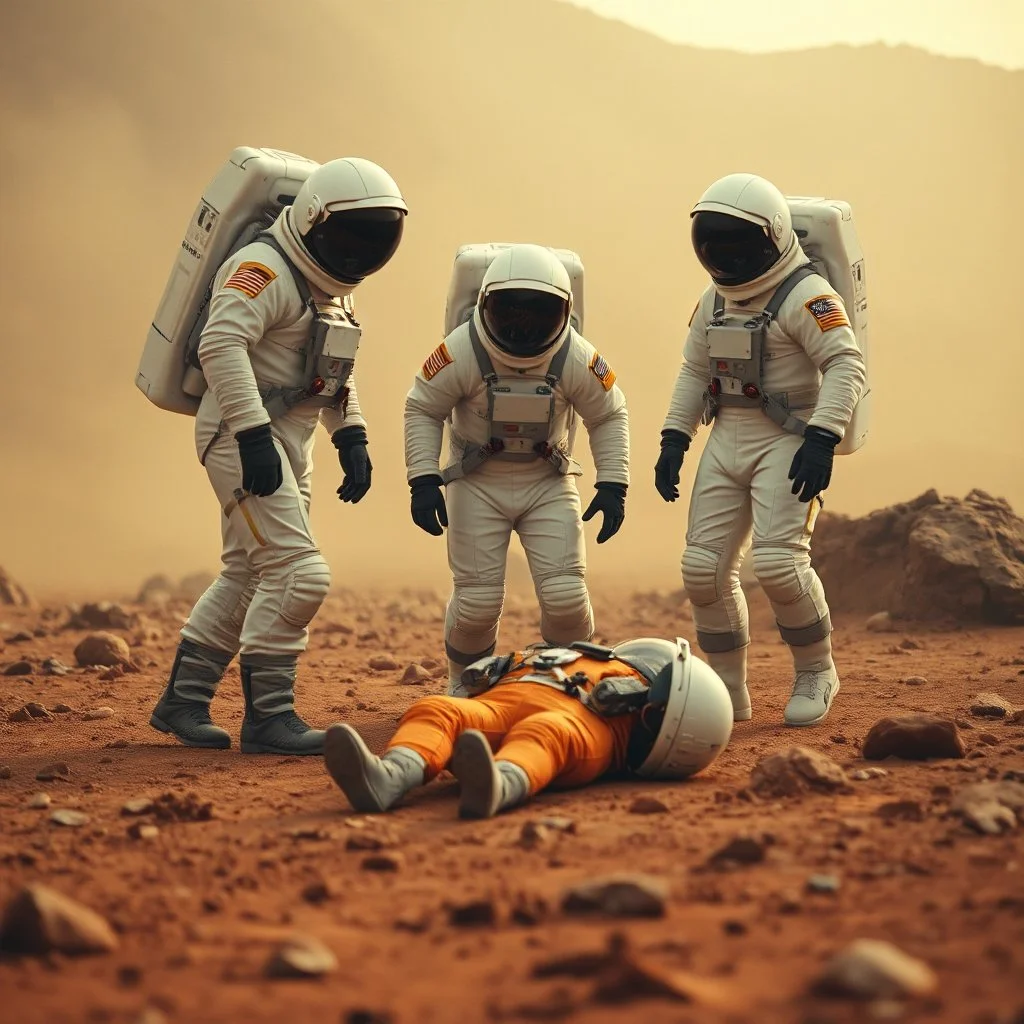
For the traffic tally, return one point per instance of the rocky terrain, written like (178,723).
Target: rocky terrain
(871,868)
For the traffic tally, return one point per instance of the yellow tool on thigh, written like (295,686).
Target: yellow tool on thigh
(815,506)
(239,502)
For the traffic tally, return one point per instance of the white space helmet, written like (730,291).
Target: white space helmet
(687,720)
(740,228)
(349,216)
(525,301)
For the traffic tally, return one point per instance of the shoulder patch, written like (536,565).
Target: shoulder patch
(828,312)
(250,278)
(602,371)
(437,361)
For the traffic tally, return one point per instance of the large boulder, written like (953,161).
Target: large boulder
(931,558)
(11,593)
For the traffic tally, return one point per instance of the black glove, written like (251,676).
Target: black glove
(611,500)
(428,508)
(666,470)
(355,462)
(812,465)
(261,463)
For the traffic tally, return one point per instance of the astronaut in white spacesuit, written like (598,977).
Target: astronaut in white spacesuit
(255,433)
(514,470)
(781,390)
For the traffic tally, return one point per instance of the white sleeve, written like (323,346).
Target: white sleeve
(588,383)
(686,407)
(348,414)
(249,298)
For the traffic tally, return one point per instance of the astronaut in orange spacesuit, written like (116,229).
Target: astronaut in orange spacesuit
(561,716)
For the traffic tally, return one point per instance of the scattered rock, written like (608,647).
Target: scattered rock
(880,622)
(59,772)
(102,649)
(40,920)
(301,956)
(5,771)
(913,738)
(54,667)
(111,674)
(21,637)
(559,825)
(140,805)
(991,807)
(142,830)
(915,681)
(382,663)
(874,969)
(363,1016)
(172,807)
(69,818)
(929,559)
(533,834)
(101,615)
(988,739)
(739,850)
(414,675)
(39,801)
(383,862)
(647,805)
(474,914)
(990,705)
(370,841)
(13,594)
(823,884)
(863,774)
(97,713)
(31,713)
(901,810)
(1017,718)
(318,892)
(19,668)
(618,896)
(61,709)
(795,771)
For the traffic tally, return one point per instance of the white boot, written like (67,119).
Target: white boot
(372,784)
(731,667)
(813,693)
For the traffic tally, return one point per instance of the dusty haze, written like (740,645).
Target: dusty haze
(531,121)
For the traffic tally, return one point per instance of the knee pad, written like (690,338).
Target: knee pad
(307,582)
(795,592)
(700,575)
(473,616)
(566,615)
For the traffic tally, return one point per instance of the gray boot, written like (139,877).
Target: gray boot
(487,786)
(270,724)
(184,708)
(372,784)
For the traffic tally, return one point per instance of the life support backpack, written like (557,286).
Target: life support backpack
(243,200)
(827,235)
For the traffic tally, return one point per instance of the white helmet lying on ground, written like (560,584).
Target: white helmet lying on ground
(687,719)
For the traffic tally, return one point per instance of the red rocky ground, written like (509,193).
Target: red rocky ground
(430,919)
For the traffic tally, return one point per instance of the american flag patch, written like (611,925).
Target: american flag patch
(828,311)
(250,278)
(437,361)
(602,371)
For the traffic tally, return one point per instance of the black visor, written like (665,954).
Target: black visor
(524,321)
(731,250)
(350,244)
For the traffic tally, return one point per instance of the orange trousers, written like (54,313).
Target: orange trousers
(548,734)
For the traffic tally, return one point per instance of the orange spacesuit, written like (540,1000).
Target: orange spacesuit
(545,716)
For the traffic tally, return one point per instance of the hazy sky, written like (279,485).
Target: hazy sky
(990,30)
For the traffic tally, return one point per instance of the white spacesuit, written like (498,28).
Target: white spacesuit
(268,388)
(781,389)
(511,379)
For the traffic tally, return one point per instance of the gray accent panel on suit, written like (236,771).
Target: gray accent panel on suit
(720,643)
(462,658)
(807,634)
